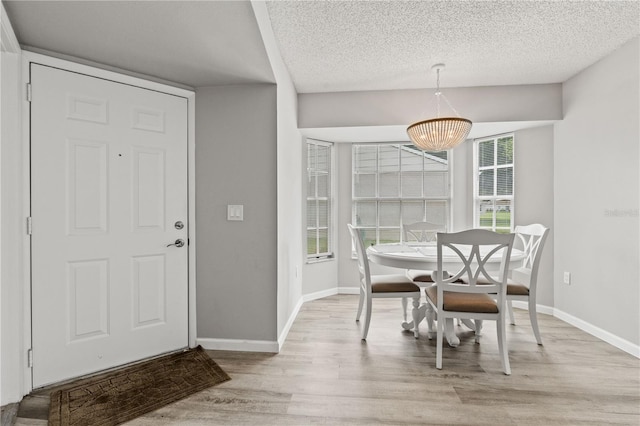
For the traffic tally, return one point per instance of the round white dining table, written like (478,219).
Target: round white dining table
(424,256)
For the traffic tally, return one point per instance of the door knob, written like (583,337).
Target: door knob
(178,243)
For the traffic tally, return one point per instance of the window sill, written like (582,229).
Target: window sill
(312,261)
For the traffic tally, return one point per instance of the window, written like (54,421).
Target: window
(319,199)
(493,185)
(394,184)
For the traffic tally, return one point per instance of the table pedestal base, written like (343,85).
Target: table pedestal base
(449,331)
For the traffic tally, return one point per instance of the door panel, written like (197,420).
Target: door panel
(109,180)
(88,299)
(87,187)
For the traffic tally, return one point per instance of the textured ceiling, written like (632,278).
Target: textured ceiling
(377,45)
(334,45)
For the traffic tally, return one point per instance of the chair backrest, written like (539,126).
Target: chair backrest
(473,249)
(422,231)
(363,260)
(532,238)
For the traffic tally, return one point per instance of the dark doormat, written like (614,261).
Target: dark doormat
(124,394)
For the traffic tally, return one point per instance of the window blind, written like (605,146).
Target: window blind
(396,184)
(319,199)
(493,195)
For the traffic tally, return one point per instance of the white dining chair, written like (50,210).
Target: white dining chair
(452,298)
(381,286)
(420,232)
(523,283)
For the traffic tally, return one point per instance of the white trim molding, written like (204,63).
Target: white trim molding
(8,40)
(13,383)
(239,345)
(601,334)
(260,345)
(274,347)
(541,309)
(319,294)
(348,290)
(287,326)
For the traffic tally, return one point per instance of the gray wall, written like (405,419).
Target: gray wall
(289,176)
(14,242)
(290,239)
(392,107)
(237,266)
(596,163)
(534,196)
(347,267)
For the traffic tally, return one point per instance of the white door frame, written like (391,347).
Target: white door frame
(29,57)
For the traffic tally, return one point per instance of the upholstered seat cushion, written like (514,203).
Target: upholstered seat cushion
(481,280)
(421,276)
(464,302)
(392,284)
(512,286)
(515,289)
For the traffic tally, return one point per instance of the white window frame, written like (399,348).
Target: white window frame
(496,199)
(329,254)
(378,199)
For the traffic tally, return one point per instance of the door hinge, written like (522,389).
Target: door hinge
(29,226)
(28,92)
(30,358)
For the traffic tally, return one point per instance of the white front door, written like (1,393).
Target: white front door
(108,188)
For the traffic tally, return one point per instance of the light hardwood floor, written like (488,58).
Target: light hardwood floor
(326,375)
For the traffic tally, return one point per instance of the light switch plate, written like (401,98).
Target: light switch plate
(235,212)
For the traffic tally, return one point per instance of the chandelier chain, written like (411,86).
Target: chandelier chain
(438,93)
(450,106)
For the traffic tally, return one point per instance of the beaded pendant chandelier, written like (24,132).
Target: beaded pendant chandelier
(439,134)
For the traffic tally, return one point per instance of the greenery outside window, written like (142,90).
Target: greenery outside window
(319,199)
(493,183)
(396,184)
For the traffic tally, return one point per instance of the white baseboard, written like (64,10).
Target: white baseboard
(601,334)
(541,309)
(319,294)
(287,327)
(330,292)
(303,299)
(274,347)
(348,290)
(239,345)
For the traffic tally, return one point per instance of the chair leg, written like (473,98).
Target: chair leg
(404,309)
(415,313)
(439,339)
(360,303)
(502,346)
(430,316)
(367,320)
(478,330)
(510,309)
(533,315)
